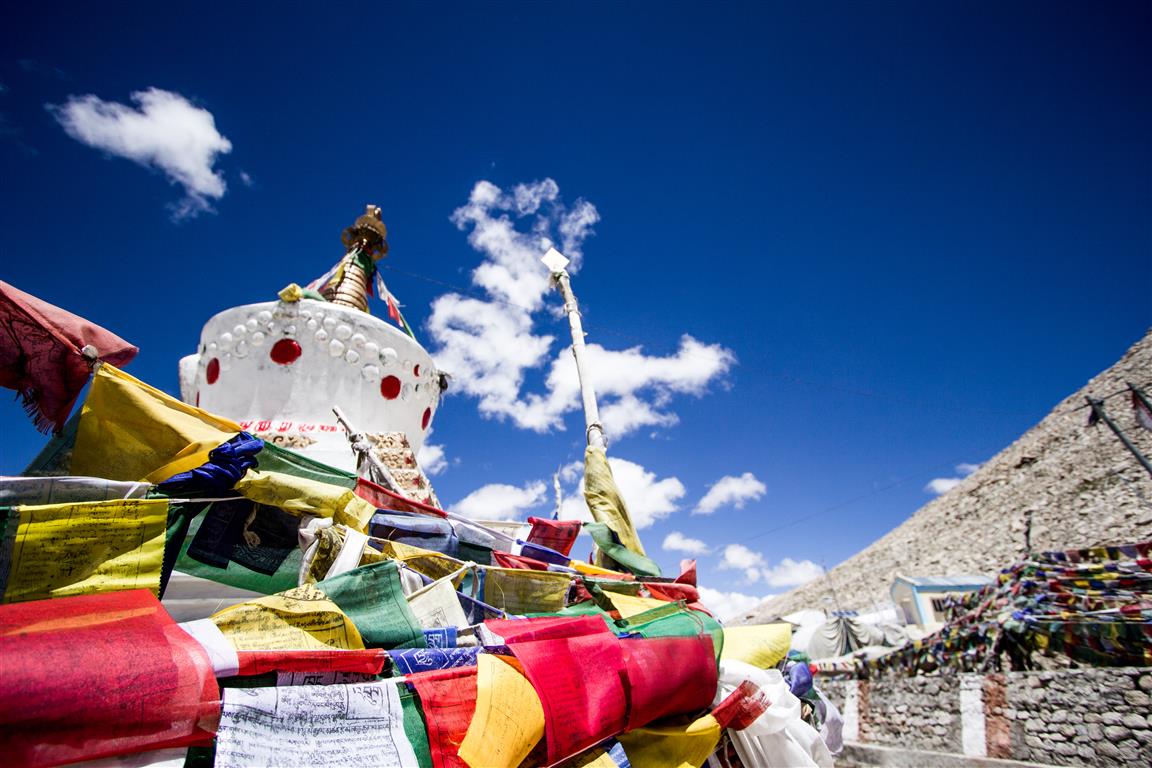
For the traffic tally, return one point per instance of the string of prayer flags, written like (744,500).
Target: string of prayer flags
(129,430)
(46,354)
(448,700)
(59,550)
(373,598)
(509,719)
(65,697)
(314,726)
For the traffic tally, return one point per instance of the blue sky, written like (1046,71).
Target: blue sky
(896,234)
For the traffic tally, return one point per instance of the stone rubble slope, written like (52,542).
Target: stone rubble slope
(1080,484)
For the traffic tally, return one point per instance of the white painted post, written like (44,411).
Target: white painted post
(851,712)
(557,262)
(972,732)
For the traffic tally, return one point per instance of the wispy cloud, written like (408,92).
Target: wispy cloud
(498,501)
(678,542)
(788,573)
(163,131)
(491,344)
(732,490)
(649,498)
(431,457)
(941,485)
(729,605)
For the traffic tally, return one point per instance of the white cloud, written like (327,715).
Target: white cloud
(789,573)
(490,344)
(499,501)
(678,542)
(648,498)
(164,131)
(941,485)
(792,573)
(431,457)
(729,605)
(731,490)
(739,557)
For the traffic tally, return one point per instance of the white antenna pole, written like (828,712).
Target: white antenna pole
(557,262)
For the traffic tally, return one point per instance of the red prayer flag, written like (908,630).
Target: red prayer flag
(40,354)
(668,676)
(559,535)
(100,675)
(369,661)
(507,560)
(448,698)
(382,498)
(742,707)
(580,682)
(547,627)
(672,591)
(687,572)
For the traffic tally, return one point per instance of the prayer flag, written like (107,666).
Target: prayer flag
(66,698)
(100,546)
(508,721)
(605,502)
(448,700)
(131,431)
(42,355)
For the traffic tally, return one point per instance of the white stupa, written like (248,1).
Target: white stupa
(279,367)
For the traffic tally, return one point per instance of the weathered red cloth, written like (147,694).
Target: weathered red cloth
(448,698)
(507,560)
(554,534)
(40,354)
(98,675)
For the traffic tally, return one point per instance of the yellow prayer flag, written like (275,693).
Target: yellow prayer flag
(131,431)
(672,746)
(300,495)
(630,605)
(593,570)
(594,758)
(518,591)
(87,548)
(434,565)
(299,619)
(509,718)
(761,645)
(604,500)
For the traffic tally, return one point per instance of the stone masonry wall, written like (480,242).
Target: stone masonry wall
(1076,717)
(1079,485)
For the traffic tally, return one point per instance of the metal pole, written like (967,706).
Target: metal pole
(556,261)
(1099,412)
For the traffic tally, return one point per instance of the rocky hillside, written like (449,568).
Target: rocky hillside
(1079,486)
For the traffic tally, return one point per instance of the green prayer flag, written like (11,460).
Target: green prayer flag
(373,598)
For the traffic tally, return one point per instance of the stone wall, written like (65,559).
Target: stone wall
(1077,485)
(1076,717)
